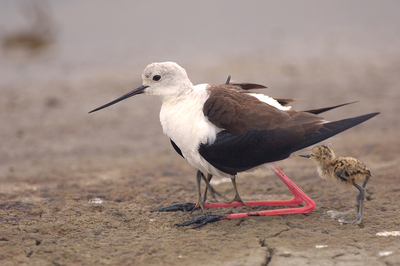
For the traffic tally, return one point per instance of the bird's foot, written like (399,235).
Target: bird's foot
(356,221)
(199,204)
(184,207)
(202,220)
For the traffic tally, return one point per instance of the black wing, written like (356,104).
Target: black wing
(236,153)
(176,148)
(321,110)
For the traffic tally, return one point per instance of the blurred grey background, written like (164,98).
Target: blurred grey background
(96,35)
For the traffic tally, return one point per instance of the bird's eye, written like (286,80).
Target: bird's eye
(156,77)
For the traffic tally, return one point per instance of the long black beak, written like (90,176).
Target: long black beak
(305,156)
(123,97)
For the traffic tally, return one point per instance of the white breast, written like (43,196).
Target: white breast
(184,122)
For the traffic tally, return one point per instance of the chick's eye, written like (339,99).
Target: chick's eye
(156,77)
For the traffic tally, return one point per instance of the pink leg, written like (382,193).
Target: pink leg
(299,197)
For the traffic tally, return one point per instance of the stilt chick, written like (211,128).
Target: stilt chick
(345,170)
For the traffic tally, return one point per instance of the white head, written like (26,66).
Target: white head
(166,80)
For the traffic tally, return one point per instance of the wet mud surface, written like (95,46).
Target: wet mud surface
(78,188)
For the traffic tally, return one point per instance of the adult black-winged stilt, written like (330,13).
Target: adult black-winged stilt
(225,129)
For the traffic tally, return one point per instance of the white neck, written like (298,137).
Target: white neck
(184,122)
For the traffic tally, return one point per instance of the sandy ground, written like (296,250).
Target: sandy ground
(77,189)
(57,161)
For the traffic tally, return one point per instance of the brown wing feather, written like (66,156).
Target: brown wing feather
(245,87)
(237,112)
(248,86)
(285,101)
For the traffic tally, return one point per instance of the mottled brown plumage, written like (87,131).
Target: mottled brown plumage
(344,170)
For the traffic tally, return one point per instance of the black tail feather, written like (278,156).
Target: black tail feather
(332,128)
(321,110)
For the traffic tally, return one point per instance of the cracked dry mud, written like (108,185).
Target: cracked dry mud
(78,188)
